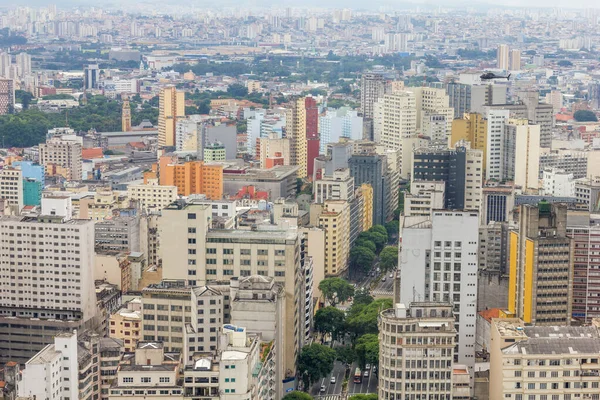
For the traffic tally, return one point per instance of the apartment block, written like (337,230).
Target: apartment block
(171,108)
(279,181)
(152,197)
(194,177)
(296,132)
(334,219)
(11,188)
(541,266)
(558,183)
(498,204)
(471,127)
(7,96)
(339,186)
(424,197)
(521,154)
(416,351)
(570,161)
(587,192)
(120,234)
(61,156)
(126,325)
(438,262)
(395,118)
(543,362)
(432,105)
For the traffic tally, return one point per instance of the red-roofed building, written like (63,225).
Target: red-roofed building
(91,153)
(484,327)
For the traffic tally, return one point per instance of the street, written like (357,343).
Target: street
(368,385)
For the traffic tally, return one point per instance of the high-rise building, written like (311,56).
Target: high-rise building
(5,63)
(372,87)
(587,192)
(62,156)
(438,262)
(273,148)
(465,98)
(312,134)
(296,132)
(493,247)
(434,115)
(586,237)
(152,196)
(341,123)
(194,177)
(521,154)
(334,219)
(558,183)
(496,123)
(541,266)
(126,116)
(515,60)
(214,152)
(472,128)
(552,361)
(460,169)
(23,64)
(406,366)
(395,117)
(370,168)
(171,108)
(424,197)
(339,186)
(91,76)
(498,203)
(593,95)
(29,321)
(11,188)
(7,96)
(502,57)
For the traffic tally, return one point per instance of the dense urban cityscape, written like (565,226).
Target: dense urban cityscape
(246,202)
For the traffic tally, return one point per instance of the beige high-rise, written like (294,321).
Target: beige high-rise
(395,118)
(295,125)
(502,57)
(515,60)
(171,107)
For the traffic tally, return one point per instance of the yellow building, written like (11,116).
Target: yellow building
(171,107)
(253,86)
(472,128)
(126,324)
(295,125)
(335,220)
(367,194)
(194,177)
(152,196)
(541,261)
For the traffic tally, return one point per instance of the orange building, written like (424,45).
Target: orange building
(194,177)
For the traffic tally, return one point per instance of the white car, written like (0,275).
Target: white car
(368,366)
(332,379)
(322,388)
(392,275)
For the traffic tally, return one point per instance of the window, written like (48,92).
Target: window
(191,216)
(191,230)
(164,379)
(128,379)
(146,379)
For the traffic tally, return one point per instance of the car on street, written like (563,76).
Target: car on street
(366,374)
(368,366)
(383,279)
(392,275)
(322,388)
(374,368)
(332,380)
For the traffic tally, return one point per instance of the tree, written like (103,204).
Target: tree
(336,290)
(237,90)
(361,258)
(379,229)
(362,296)
(564,63)
(345,354)
(367,349)
(378,239)
(389,258)
(330,320)
(315,362)
(362,242)
(362,318)
(23,97)
(392,228)
(296,395)
(371,396)
(585,116)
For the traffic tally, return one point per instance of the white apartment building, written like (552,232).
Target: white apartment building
(521,162)
(341,123)
(11,188)
(152,196)
(434,114)
(587,191)
(424,197)
(416,351)
(339,186)
(62,156)
(188,134)
(395,118)
(438,262)
(558,183)
(497,119)
(543,362)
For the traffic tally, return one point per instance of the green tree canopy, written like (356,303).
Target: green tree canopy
(362,242)
(330,320)
(367,349)
(361,258)
(315,362)
(296,395)
(379,229)
(345,354)
(392,228)
(362,296)
(370,396)
(362,318)
(237,90)
(564,63)
(585,116)
(336,290)
(389,258)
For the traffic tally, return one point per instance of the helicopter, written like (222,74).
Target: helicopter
(491,75)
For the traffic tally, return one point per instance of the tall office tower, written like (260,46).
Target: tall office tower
(593,94)
(340,123)
(515,60)
(312,134)
(372,87)
(541,266)
(7,96)
(24,64)
(586,237)
(432,104)
(34,305)
(438,262)
(295,124)
(522,154)
(460,169)
(496,122)
(406,356)
(371,168)
(502,57)
(61,157)
(11,189)
(464,98)
(395,118)
(493,248)
(171,108)
(472,128)
(91,76)
(5,63)
(555,98)
(216,255)
(126,116)
(498,203)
